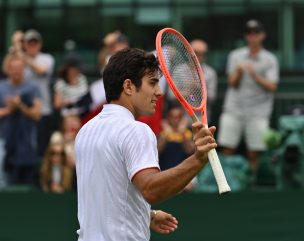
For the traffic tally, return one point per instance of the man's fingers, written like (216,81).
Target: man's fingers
(206,148)
(212,129)
(196,127)
(170,228)
(205,140)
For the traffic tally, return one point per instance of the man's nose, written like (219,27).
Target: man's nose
(159,91)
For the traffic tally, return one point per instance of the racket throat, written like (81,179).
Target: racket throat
(204,118)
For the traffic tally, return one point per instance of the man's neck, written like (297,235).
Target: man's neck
(16,82)
(125,104)
(254,49)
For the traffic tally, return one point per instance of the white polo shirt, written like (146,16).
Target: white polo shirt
(42,80)
(250,98)
(110,149)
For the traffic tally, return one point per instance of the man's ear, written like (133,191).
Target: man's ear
(128,87)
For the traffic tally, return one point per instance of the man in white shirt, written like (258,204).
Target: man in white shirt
(253,76)
(200,48)
(118,175)
(39,70)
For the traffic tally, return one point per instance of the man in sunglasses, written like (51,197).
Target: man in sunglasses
(253,75)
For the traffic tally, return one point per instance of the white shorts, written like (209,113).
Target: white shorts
(232,128)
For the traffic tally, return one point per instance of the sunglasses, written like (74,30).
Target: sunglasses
(253,31)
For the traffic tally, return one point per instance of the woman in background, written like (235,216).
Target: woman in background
(56,173)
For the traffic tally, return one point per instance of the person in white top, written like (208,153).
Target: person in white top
(118,175)
(200,48)
(39,70)
(253,77)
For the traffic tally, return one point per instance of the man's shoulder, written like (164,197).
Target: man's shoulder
(43,55)
(140,126)
(267,54)
(4,86)
(30,88)
(239,51)
(3,83)
(139,129)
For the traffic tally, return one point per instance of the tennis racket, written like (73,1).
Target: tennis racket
(185,77)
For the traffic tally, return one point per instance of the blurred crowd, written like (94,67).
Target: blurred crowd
(35,151)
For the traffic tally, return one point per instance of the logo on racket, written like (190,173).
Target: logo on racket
(192,97)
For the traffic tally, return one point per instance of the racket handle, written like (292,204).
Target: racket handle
(218,172)
(216,166)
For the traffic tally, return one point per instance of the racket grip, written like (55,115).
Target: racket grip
(218,172)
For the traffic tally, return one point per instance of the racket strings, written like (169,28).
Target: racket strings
(183,69)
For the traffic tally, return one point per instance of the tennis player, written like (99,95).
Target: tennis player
(118,174)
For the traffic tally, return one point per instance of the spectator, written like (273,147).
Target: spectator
(253,76)
(113,42)
(3,179)
(20,109)
(70,127)
(15,48)
(175,140)
(17,42)
(71,89)
(56,173)
(67,134)
(39,69)
(200,48)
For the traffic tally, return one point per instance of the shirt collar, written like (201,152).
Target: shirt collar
(114,109)
(257,56)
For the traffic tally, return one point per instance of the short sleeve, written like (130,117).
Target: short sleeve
(47,61)
(139,149)
(231,63)
(272,73)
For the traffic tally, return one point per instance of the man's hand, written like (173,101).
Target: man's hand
(247,67)
(163,222)
(203,140)
(13,102)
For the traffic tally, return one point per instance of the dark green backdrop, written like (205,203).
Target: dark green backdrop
(250,216)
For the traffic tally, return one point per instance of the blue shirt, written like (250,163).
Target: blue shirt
(17,130)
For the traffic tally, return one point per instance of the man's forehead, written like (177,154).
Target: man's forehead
(155,74)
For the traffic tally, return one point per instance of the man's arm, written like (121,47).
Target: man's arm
(39,69)
(33,112)
(234,70)
(4,111)
(157,186)
(235,77)
(266,84)
(262,81)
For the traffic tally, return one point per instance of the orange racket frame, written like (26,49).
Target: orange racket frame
(212,155)
(190,109)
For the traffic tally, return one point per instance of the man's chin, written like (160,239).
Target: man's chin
(148,113)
